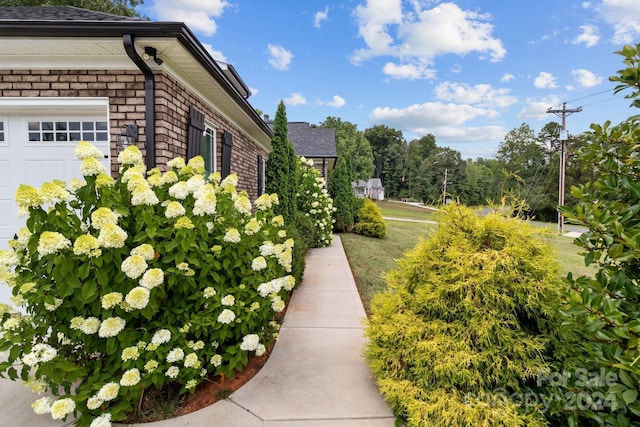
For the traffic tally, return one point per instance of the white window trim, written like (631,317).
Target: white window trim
(208,127)
(5,131)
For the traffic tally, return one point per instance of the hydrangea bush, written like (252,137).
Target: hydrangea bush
(314,201)
(136,282)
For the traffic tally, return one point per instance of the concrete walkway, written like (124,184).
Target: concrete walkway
(315,376)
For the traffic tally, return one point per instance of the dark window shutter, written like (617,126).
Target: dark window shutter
(195,131)
(260,174)
(227,145)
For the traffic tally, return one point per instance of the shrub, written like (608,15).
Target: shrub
(605,308)
(281,170)
(369,220)
(315,203)
(344,198)
(139,282)
(467,324)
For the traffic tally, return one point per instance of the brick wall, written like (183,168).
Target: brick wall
(125,90)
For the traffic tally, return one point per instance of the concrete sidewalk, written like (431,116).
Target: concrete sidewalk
(315,377)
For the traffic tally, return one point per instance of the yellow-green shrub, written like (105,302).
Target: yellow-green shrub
(369,220)
(467,324)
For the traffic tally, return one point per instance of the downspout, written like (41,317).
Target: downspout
(149,100)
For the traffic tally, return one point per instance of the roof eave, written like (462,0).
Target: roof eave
(178,30)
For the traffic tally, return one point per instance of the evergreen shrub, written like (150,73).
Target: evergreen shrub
(468,324)
(369,220)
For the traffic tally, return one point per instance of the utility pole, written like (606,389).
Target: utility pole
(563,156)
(444,187)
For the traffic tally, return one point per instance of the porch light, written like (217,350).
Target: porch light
(128,136)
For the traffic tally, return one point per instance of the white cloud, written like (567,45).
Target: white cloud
(215,54)
(336,102)
(586,78)
(589,36)
(417,117)
(420,35)
(279,57)
(470,134)
(320,16)
(408,71)
(624,16)
(295,99)
(537,108)
(545,81)
(198,15)
(480,94)
(506,78)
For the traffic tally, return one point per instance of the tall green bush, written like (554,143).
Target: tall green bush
(344,199)
(281,170)
(606,307)
(368,221)
(468,324)
(139,282)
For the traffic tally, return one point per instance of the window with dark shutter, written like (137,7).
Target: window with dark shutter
(260,174)
(227,145)
(195,132)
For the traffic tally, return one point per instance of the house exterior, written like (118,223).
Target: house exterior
(69,74)
(317,144)
(371,189)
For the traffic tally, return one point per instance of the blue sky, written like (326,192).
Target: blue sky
(465,71)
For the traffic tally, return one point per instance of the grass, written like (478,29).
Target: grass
(371,258)
(402,210)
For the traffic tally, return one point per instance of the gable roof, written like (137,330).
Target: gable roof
(36,37)
(312,142)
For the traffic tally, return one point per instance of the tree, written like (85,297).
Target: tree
(389,150)
(417,151)
(281,167)
(115,7)
(344,199)
(444,161)
(350,142)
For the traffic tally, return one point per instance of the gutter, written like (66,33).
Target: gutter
(149,100)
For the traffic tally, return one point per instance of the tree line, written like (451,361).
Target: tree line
(527,166)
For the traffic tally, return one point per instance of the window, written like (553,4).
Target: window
(68,131)
(209,150)
(2,139)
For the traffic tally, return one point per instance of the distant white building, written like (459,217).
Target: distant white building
(372,189)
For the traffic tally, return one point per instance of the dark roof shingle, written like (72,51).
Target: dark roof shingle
(310,141)
(57,13)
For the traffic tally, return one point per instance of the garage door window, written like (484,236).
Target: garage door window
(65,131)
(1,131)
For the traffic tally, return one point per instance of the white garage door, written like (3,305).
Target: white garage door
(38,146)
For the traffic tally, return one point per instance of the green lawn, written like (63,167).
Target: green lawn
(370,258)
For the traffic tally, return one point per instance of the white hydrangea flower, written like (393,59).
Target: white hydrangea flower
(42,405)
(103,420)
(145,250)
(90,325)
(108,392)
(92,166)
(191,361)
(62,407)
(161,336)
(179,190)
(228,300)
(51,242)
(86,150)
(175,355)
(250,342)
(227,316)
(133,266)
(152,278)
(232,236)
(130,378)
(138,297)
(111,327)
(172,372)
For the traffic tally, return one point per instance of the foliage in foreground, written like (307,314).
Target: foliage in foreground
(137,283)
(368,220)
(606,308)
(468,323)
